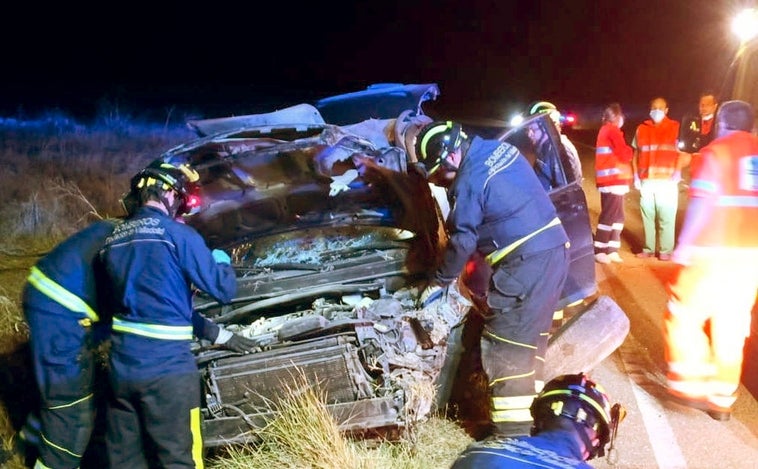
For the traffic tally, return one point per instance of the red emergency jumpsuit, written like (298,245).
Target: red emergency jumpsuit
(613,175)
(717,286)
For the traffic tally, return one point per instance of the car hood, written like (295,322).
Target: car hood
(377,101)
(270,180)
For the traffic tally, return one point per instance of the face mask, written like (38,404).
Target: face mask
(707,117)
(621,122)
(657,115)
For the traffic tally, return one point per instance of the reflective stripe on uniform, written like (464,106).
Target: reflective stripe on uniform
(60,295)
(511,415)
(197,437)
(513,409)
(737,201)
(663,147)
(603,150)
(508,378)
(496,256)
(703,185)
(155,331)
(607,172)
(73,403)
(510,402)
(59,448)
(494,336)
(39,465)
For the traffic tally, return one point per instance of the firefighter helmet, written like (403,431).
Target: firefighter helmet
(155,180)
(436,141)
(579,399)
(546,107)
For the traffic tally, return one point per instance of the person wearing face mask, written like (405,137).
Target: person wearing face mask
(613,175)
(657,172)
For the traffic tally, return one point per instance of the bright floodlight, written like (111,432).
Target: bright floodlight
(745,24)
(516,120)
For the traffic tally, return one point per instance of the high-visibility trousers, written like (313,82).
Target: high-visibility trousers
(707,321)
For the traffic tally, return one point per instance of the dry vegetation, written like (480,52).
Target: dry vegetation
(57,177)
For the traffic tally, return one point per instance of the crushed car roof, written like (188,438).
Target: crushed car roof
(377,101)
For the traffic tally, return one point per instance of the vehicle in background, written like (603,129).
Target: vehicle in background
(568,119)
(332,232)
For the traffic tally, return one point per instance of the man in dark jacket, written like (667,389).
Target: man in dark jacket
(501,212)
(153,262)
(60,304)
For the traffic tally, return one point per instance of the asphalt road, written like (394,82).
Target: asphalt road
(657,433)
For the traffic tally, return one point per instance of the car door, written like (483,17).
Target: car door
(553,166)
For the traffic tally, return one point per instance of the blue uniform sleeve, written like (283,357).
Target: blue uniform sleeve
(217,280)
(204,327)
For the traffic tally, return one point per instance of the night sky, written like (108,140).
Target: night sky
(221,58)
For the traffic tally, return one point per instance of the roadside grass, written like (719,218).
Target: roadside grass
(302,434)
(57,177)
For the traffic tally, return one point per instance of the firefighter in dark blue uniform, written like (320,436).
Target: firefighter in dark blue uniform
(573,422)
(153,261)
(500,211)
(60,303)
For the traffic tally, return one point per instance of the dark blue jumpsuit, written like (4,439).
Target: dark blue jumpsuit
(60,304)
(551,449)
(153,261)
(500,209)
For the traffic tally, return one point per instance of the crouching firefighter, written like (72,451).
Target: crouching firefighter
(573,423)
(153,261)
(61,300)
(500,212)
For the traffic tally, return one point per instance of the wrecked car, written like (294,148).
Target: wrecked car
(332,232)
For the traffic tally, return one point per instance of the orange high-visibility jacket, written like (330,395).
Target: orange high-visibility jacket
(612,157)
(729,173)
(658,153)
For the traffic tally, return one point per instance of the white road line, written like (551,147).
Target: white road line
(667,452)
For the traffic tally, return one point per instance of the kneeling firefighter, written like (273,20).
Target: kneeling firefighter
(573,423)
(500,212)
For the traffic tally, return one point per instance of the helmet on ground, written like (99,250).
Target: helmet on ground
(579,399)
(540,107)
(436,141)
(736,115)
(158,178)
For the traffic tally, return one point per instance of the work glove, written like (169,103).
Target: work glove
(235,342)
(431,293)
(221,257)
(637,183)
